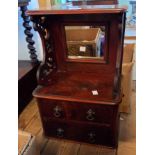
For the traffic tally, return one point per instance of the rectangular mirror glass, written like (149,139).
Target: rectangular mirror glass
(85,42)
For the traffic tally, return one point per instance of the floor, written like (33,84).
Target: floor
(29,121)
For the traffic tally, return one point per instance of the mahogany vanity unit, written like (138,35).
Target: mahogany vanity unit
(78,96)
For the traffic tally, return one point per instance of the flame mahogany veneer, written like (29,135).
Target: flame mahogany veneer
(68,109)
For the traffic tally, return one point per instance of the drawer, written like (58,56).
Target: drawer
(95,113)
(92,112)
(80,132)
(51,109)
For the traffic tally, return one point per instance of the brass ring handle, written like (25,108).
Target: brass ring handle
(91,137)
(90,115)
(60,132)
(57,111)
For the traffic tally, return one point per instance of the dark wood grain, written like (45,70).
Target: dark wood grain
(66,103)
(27,82)
(102,135)
(95,2)
(71,110)
(64,9)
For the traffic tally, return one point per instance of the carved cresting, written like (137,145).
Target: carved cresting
(48,65)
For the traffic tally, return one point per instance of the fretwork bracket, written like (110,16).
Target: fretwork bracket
(48,65)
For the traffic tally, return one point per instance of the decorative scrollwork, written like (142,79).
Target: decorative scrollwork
(48,65)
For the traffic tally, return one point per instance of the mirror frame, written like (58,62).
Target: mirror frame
(103,59)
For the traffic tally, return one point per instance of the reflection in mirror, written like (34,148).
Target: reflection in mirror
(85,42)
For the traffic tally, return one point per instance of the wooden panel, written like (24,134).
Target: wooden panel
(26,82)
(52,109)
(41,141)
(95,2)
(64,9)
(28,113)
(69,148)
(64,84)
(34,125)
(93,150)
(52,147)
(91,113)
(80,132)
(55,109)
(24,67)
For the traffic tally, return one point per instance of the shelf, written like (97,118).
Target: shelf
(78,87)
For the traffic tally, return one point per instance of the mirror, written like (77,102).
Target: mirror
(86,42)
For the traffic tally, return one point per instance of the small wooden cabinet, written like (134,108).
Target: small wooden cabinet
(79,96)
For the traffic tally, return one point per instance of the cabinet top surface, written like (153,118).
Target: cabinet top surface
(81,9)
(78,87)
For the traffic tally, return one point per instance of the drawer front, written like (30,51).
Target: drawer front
(91,113)
(82,112)
(80,132)
(51,109)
